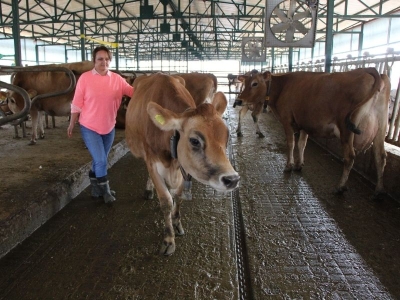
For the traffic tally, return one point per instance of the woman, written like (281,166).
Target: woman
(98,96)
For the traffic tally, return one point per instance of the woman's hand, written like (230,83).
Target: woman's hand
(73,120)
(70,129)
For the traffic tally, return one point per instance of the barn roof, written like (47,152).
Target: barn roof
(178,29)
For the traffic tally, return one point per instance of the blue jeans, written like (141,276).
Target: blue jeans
(99,146)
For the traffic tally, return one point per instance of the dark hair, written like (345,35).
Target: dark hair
(101,48)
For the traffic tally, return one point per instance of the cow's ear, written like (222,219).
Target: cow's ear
(267,76)
(241,78)
(220,102)
(32,93)
(163,118)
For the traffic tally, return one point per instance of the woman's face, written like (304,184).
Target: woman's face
(102,62)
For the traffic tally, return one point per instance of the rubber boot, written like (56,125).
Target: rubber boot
(103,184)
(96,191)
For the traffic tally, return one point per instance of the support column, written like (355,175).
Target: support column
(329,36)
(16,35)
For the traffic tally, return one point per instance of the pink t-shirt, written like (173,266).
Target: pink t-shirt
(97,99)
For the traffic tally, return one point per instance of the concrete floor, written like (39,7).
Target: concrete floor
(299,240)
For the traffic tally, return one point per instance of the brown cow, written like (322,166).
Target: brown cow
(176,139)
(233,80)
(351,106)
(254,104)
(201,86)
(37,83)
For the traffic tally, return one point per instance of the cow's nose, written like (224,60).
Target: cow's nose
(231,181)
(238,102)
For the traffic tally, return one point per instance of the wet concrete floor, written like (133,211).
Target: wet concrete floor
(300,240)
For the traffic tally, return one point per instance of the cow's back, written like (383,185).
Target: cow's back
(49,81)
(201,86)
(42,82)
(77,67)
(141,133)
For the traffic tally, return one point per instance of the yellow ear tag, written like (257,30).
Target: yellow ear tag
(160,119)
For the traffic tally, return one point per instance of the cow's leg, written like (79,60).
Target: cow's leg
(166,205)
(176,215)
(290,140)
(256,115)
(265,106)
(348,161)
(40,124)
(46,120)
(34,117)
(301,145)
(175,182)
(148,193)
(242,113)
(380,155)
(16,135)
(23,126)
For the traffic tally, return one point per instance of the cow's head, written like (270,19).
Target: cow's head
(3,102)
(16,102)
(202,144)
(255,87)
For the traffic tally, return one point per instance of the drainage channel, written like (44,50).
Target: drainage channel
(245,290)
(244,277)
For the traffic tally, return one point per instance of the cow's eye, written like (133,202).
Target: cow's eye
(254,84)
(195,142)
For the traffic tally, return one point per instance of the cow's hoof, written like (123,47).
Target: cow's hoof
(32,143)
(148,194)
(379,195)
(298,168)
(41,137)
(288,169)
(260,135)
(109,204)
(238,103)
(340,190)
(167,248)
(239,134)
(179,229)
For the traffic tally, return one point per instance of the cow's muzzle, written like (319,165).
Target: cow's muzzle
(238,102)
(231,181)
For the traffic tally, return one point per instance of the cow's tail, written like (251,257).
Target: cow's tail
(376,87)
